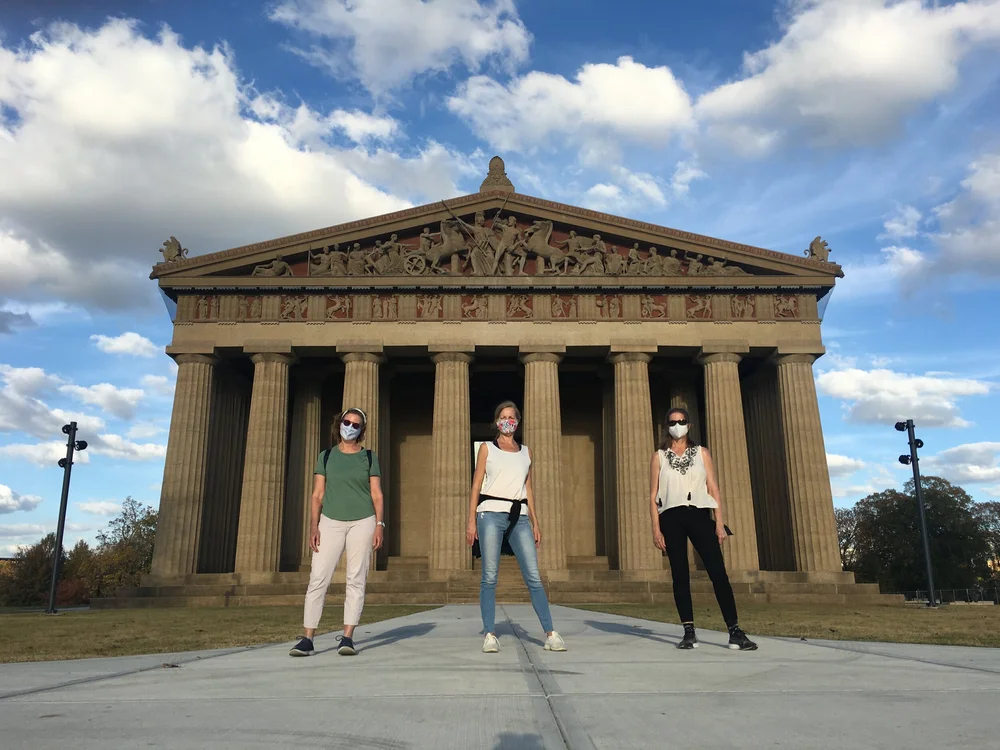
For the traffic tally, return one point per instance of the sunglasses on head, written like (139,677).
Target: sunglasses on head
(349,423)
(672,422)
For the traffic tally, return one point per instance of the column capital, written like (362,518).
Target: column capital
(196,359)
(362,357)
(793,359)
(531,357)
(630,357)
(711,359)
(286,359)
(451,357)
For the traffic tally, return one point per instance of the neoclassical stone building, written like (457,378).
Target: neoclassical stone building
(427,318)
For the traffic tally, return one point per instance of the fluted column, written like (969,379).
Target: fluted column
(634,446)
(258,541)
(182,497)
(684,395)
(361,390)
(303,448)
(543,435)
(727,441)
(814,528)
(451,463)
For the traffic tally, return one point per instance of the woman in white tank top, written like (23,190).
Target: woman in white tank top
(684,505)
(502,519)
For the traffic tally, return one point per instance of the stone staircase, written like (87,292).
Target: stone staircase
(408,581)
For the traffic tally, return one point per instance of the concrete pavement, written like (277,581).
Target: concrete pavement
(421,682)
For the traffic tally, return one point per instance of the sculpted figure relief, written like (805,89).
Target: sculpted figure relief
(338,307)
(430,306)
(475,308)
(743,306)
(650,308)
(698,306)
(818,249)
(518,307)
(330,262)
(293,308)
(172,250)
(786,306)
(274,269)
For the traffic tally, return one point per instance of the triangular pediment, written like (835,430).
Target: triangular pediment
(489,237)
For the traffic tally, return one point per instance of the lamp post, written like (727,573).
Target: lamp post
(67,466)
(913,461)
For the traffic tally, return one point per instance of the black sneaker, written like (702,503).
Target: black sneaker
(738,641)
(303,648)
(346,646)
(690,640)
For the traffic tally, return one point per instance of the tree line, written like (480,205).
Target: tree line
(123,553)
(880,539)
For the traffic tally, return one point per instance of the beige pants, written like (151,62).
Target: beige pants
(334,536)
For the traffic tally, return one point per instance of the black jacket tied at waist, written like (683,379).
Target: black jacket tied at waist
(512,518)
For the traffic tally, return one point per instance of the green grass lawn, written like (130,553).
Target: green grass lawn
(952,625)
(32,636)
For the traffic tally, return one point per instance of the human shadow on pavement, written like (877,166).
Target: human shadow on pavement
(634,630)
(512,741)
(387,638)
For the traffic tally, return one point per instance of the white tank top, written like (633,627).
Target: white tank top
(683,481)
(506,476)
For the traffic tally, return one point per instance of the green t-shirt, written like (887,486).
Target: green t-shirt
(348,495)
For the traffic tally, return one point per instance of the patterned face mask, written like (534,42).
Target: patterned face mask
(507,426)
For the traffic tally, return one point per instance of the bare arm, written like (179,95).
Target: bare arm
(529,490)
(477,484)
(375,487)
(654,489)
(315,508)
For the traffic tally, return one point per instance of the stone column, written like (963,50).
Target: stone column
(814,528)
(451,464)
(543,435)
(258,540)
(727,442)
(633,449)
(684,395)
(361,390)
(182,497)
(303,448)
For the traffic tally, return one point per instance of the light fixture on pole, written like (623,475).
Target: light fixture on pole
(66,464)
(914,461)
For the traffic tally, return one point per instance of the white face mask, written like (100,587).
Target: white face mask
(349,433)
(678,431)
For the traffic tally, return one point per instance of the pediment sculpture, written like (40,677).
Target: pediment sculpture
(504,245)
(819,250)
(172,250)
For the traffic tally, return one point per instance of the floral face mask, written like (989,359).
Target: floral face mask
(507,426)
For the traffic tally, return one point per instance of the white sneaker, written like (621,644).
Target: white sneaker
(555,642)
(491,645)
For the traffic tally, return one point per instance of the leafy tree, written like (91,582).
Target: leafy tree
(989,516)
(125,549)
(888,545)
(847,523)
(30,575)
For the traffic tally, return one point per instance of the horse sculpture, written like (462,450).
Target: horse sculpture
(537,242)
(452,242)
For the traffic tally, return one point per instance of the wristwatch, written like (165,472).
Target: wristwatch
(380,523)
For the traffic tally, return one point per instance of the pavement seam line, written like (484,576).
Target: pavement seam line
(573,734)
(984,670)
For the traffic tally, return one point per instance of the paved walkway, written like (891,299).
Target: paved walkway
(421,682)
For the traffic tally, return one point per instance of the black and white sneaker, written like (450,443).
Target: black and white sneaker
(690,640)
(738,640)
(346,647)
(303,648)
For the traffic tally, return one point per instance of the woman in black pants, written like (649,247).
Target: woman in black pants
(683,499)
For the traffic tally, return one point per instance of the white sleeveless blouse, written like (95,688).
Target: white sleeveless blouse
(506,477)
(683,481)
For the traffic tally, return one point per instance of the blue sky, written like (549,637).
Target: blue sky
(870,123)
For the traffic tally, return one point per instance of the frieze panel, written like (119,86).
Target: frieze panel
(520,307)
(609,306)
(653,306)
(338,307)
(430,307)
(786,306)
(698,307)
(294,307)
(475,307)
(743,306)
(385,307)
(565,307)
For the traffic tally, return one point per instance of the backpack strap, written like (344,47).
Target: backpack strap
(369,462)
(326,458)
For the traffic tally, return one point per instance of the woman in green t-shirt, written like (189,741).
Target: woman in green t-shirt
(346,514)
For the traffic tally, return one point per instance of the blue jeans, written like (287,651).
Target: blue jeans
(491,526)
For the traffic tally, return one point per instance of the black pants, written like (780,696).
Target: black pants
(677,526)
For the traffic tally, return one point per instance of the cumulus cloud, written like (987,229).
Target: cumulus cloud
(971,463)
(602,105)
(969,239)
(385,44)
(10,320)
(127,343)
(902,268)
(843,466)
(141,431)
(159,384)
(17,530)
(11,502)
(188,141)
(45,454)
(848,72)
(882,396)
(115,446)
(903,223)
(100,507)
(121,402)
(22,409)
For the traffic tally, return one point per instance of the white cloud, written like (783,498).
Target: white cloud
(121,402)
(11,501)
(178,129)
(17,530)
(904,223)
(843,466)
(22,411)
(385,44)
(42,454)
(159,384)
(685,173)
(900,268)
(100,507)
(633,189)
(11,320)
(127,343)
(115,446)
(140,431)
(603,105)
(969,239)
(848,72)
(882,396)
(971,463)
